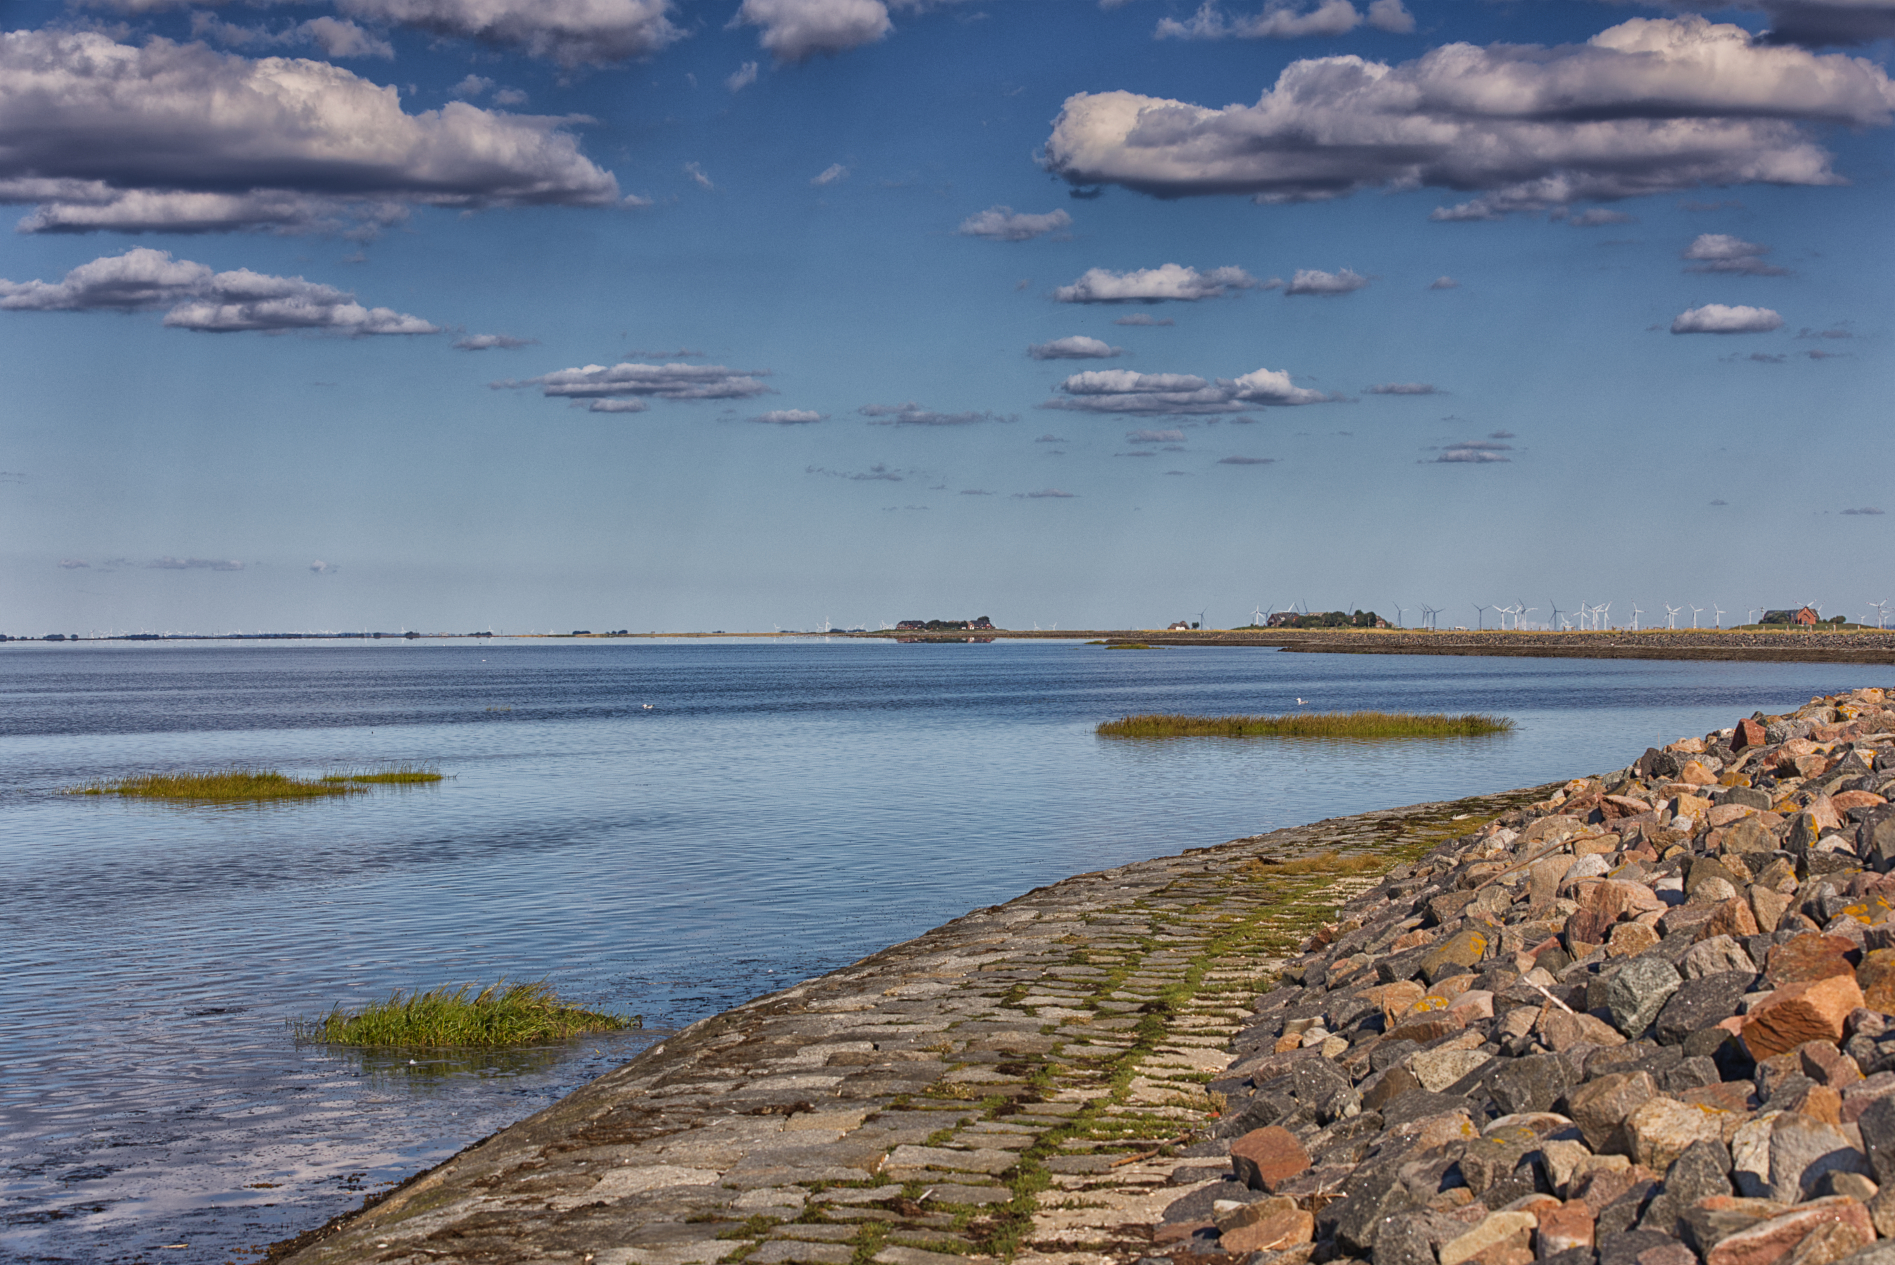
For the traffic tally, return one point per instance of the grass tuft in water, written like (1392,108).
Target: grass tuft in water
(395,774)
(1308,725)
(232,785)
(503,1014)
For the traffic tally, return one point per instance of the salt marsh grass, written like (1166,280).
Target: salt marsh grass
(216,786)
(1308,725)
(388,774)
(502,1014)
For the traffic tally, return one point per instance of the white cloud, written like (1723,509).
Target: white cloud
(790,417)
(1141,318)
(1154,285)
(1316,281)
(1279,20)
(1405,388)
(1154,437)
(1391,16)
(471,86)
(1650,105)
(1478,452)
(513,96)
(1444,283)
(73,564)
(742,77)
(181,138)
(1076,347)
(831,174)
(1721,252)
(1816,22)
(796,30)
(875,473)
(193,564)
(634,382)
(319,567)
(487,342)
(338,37)
(696,172)
(1599,217)
(569,32)
(912,414)
(1125,392)
(615,406)
(1004,224)
(143,279)
(1288,20)
(1717,318)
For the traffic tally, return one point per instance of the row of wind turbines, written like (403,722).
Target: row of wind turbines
(1588,617)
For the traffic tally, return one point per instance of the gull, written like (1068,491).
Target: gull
(1302,702)
(648,707)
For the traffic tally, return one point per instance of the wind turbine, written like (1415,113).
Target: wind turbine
(1518,603)
(1671,616)
(1200,622)
(1718,615)
(1636,612)
(1694,617)
(1606,611)
(1881,611)
(1256,615)
(1479,614)
(1398,615)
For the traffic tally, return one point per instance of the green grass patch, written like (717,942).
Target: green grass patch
(1127,645)
(216,786)
(503,1014)
(388,774)
(1308,725)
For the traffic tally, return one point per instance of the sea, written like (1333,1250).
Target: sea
(655,827)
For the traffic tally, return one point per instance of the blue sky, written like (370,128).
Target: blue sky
(448,314)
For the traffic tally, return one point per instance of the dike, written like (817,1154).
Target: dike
(1643,1019)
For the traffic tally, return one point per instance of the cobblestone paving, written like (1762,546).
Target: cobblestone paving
(1019,1083)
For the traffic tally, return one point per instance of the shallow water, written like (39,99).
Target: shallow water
(781,809)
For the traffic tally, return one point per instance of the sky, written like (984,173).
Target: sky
(537,315)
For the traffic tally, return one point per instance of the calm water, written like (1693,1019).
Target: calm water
(781,809)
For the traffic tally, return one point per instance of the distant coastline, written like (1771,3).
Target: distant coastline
(1747,645)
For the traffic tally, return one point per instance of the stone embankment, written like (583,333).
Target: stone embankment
(1643,1019)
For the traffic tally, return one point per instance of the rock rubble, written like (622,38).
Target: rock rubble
(1648,1020)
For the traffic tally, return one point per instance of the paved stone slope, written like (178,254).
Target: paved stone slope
(1026,1081)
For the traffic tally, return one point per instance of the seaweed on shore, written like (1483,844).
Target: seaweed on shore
(1308,725)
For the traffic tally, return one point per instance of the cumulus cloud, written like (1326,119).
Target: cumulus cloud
(1287,20)
(796,30)
(1140,318)
(336,37)
(698,178)
(829,175)
(790,417)
(1719,318)
(143,279)
(1123,391)
(634,383)
(1721,252)
(1076,347)
(877,473)
(1444,283)
(1155,285)
(1246,461)
(169,137)
(1405,388)
(1838,332)
(569,32)
(1477,452)
(1004,224)
(1045,494)
(912,414)
(1155,437)
(1651,105)
(320,567)
(1817,23)
(614,406)
(1316,281)
(742,77)
(487,342)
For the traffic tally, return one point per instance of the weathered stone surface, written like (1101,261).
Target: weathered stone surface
(1810,957)
(1769,1241)
(1661,1129)
(1639,991)
(1804,1149)
(1264,1159)
(1460,953)
(1599,1108)
(1495,1230)
(1795,1013)
(1563,1227)
(1269,1226)
(1533,1083)
(1438,1069)
(1716,955)
(1700,1004)
(1876,977)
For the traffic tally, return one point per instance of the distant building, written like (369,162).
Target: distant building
(1803,616)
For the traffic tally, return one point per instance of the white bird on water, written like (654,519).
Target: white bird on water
(648,707)
(1302,702)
